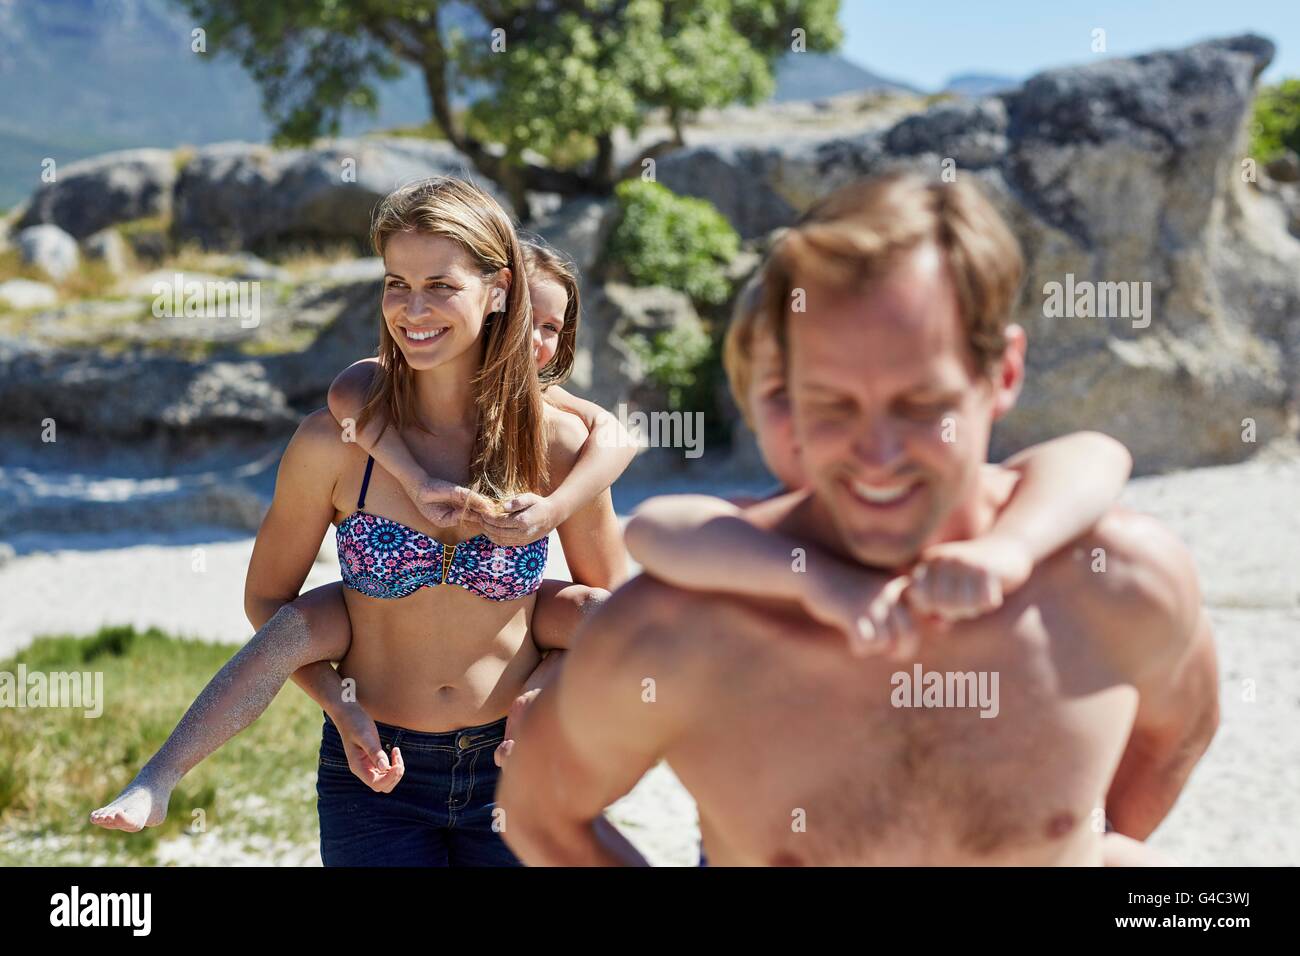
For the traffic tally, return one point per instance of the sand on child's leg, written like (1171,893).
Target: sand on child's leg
(232,700)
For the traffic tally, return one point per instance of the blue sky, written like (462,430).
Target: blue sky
(923,42)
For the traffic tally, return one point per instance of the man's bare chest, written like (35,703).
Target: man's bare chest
(999,739)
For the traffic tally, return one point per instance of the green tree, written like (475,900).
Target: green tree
(561,76)
(1277,120)
(677,241)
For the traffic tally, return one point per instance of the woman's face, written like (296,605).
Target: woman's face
(769,405)
(435,299)
(549,304)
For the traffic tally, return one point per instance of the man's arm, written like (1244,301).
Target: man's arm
(593,734)
(1162,636)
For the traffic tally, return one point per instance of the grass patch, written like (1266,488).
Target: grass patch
(13,267)
(299,260)
(56,765)
(91,278)
(149,224)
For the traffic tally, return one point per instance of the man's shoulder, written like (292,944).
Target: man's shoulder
(647,620)
(1135,581)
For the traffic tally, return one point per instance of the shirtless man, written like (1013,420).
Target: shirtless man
(798,753)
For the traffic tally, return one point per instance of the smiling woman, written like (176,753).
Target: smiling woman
(450,257)
(435,668)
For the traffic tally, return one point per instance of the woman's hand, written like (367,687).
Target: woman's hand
(365,753)
(526,518)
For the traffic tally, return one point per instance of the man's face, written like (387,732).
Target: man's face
(890,413)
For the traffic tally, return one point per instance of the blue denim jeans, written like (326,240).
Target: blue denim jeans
(440,814)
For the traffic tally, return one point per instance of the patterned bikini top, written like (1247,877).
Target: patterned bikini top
(383,558)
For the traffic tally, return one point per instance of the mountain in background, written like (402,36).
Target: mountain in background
(815,76)
(88,76)
(979,84)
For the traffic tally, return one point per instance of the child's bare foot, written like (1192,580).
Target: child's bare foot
(142,804)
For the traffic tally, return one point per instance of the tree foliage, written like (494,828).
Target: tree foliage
(552,72)
(1277,120)
(676,241)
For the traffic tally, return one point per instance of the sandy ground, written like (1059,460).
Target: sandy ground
(1241,807)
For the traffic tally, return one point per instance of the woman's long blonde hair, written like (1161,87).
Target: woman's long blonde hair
(509,454)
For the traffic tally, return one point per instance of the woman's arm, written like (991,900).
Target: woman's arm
(443,503)
(287,544)
(290,537)
(302,508)
(605,453)
(1065,486)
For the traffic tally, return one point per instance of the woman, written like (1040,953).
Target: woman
(436,666)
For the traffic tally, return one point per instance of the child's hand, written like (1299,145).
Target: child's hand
(965,579)
(366,756)
(865,607)
(445,505)
(526,518)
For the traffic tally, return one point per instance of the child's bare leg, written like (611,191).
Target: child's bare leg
(561,608)
(315,627)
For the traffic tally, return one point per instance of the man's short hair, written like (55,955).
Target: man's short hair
(858,232)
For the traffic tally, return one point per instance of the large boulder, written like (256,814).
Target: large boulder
(238,195)
(608,369)
(108,247)
(138,396)
(151,393)
(578,228)
(49,249)
(1120,171)
(88,195)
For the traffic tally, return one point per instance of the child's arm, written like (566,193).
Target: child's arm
(702,543)
(604,456)
(1065,486)
(443,503)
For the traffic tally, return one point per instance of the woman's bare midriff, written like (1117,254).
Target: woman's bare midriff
(439,659)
